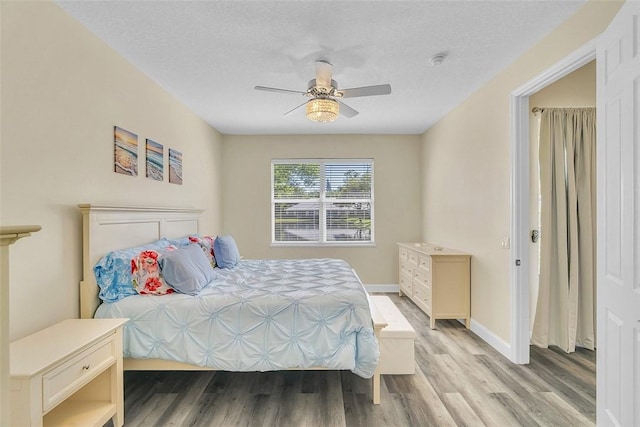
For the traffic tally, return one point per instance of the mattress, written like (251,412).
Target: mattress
(261,315)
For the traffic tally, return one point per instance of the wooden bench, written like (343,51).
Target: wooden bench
(396,339)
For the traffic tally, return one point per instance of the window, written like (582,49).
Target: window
(320,202)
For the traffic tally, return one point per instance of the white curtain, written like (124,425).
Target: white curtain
(565,311)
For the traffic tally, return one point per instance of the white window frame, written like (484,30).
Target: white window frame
(323,201)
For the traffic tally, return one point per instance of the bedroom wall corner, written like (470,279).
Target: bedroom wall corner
(63,91)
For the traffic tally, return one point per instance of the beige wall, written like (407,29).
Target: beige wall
(466,168)
(577,89)
(247,201)
(63,90)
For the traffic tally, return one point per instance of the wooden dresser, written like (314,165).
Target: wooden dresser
(438,280)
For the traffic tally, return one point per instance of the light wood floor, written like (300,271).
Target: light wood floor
(459,380)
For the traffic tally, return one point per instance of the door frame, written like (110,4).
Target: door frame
(519,194)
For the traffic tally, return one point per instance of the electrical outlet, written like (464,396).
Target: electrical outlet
(505,243)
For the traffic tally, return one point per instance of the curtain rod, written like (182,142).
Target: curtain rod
(541,109)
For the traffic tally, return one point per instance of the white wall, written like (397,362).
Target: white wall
(247,195)
(63,90)
(466,168)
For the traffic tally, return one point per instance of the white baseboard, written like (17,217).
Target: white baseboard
(382,288)
(477,328)
(492,339)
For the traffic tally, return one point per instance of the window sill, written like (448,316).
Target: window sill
(322,245)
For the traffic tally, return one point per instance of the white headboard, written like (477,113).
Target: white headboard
(107,228)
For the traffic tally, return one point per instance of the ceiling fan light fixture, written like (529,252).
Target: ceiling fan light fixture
(322,109)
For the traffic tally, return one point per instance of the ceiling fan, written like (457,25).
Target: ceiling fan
(325,103)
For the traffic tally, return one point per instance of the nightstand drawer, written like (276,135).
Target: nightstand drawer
(65,379)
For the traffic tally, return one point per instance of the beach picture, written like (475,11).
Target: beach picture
(155,156)
(175,166)
(125,146)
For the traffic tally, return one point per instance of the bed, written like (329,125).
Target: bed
(326,319)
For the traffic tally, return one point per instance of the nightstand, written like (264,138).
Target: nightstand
(68,374)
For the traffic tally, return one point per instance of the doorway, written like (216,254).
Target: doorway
(575,90)
(520,195)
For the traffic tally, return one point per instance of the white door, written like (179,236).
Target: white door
(618,335)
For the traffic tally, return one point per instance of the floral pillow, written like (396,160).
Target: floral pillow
(145,273)
(113,271)
(206,244)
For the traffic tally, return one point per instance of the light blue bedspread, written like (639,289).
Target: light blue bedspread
(262,315)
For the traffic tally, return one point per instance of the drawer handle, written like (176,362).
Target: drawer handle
(85,367)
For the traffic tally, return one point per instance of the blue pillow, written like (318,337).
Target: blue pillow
(187,269)
(113,271)
(226,252)
(183,241)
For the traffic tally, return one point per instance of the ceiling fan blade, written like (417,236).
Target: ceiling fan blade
(366,91)
(324,71)
(273,89)
(347,111)
(293,109)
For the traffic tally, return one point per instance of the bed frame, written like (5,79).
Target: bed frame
(106,228)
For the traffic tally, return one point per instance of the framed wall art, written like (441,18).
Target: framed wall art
(125,146)
(175,166)
(155,159)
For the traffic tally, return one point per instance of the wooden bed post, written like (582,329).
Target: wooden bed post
(378,324)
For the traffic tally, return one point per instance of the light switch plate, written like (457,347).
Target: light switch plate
(505,243)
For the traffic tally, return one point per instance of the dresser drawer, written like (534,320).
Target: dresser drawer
(412,258)
(424,262)
(403,254)
(408,270)
(422,295)
(65,379)
(405,284)
(404,265)
(423,276)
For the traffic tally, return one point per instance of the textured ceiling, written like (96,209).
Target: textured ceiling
(211,54)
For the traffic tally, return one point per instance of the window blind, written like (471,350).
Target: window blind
(322,201)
